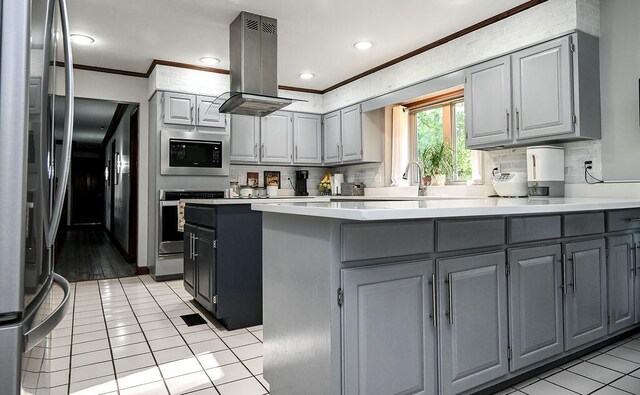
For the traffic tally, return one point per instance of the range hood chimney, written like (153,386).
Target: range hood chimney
(253,48)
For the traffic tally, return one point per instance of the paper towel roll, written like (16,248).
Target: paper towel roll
(338,179)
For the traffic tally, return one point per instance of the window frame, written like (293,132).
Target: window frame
(448,131)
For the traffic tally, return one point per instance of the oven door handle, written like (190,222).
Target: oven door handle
(169,203)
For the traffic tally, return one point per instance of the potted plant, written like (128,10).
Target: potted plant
(437,160)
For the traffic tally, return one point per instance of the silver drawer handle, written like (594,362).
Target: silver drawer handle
(633,219)
(195,254)
(564,274)
(434,307)
(450,287)
(575,272)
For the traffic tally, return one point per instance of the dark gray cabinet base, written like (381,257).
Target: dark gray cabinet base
(223,262)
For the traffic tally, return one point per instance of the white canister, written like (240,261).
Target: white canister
(272,190)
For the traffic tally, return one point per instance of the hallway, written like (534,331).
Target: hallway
(89,254)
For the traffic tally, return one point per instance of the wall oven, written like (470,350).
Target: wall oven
(194,154)
(170,240)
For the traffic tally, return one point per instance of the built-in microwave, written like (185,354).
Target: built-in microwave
(194,154)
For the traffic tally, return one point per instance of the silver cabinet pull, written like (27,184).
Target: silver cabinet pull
(637,252)
(449,282)
(575,275)
(517,120)
(564,274)
(634,219)
(255,150)
(434,306)
(195,254)
(198,114)
(262,151)
(296,152)
(507,121)
(192,113)
(338,151)
(191,246)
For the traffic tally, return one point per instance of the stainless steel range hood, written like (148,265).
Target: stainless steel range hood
(253,47)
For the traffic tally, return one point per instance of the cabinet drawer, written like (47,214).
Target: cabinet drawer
(200,216)
(523,229)
(583,224)
(386,240)
(623,219)
(464,234)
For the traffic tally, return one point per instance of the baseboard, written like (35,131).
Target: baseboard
(142,270)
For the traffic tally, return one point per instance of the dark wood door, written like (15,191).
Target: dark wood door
(87,183)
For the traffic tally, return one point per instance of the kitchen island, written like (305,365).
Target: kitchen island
(441,296)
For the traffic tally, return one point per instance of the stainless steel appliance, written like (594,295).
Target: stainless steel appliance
(196,154)
(545,171)
(33,299)
(170,240)
(253,53)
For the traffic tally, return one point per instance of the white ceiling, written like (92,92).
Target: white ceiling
(90,122)
(314,36)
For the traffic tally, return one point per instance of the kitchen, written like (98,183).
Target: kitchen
(334,229)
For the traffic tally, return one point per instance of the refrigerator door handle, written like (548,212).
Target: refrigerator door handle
(52,228)
(36,334)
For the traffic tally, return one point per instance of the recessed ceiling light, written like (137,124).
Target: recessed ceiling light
(81,39)
(210,60)
(363,44)
(306,76)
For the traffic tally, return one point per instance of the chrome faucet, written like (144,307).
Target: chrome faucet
(422,188)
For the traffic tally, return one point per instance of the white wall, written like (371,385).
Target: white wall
(104,86)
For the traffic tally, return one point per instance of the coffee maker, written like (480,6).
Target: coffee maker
(301,182)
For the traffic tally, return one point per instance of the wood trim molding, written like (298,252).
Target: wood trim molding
(435,99)
(506,14)
(442,41)
(105,70)
(121,108)
(157,62)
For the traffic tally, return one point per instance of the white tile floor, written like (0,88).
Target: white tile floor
(126,336)
(612,370)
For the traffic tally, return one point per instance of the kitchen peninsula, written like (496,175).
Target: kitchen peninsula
(441,296)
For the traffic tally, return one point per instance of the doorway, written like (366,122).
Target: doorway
(102,213)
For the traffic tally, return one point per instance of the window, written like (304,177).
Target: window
(435,124)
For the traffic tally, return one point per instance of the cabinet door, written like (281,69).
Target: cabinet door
(472,320)
(487,103)
(388,338)
(276,135)
(351,120)
(620,274)
(207,113)
(542,90)
(245,135)
(332,138)
(178,108)
(307,139)
(585,303)
(206,267)
(189,267)
(535,304)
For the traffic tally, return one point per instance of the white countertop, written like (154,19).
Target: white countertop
(317,199)
(442,207)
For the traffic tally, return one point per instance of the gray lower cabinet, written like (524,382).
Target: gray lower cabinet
(189,268)
(535,304)
(620,274)
(388,337)
(472,320)
(585,303)
(488,103)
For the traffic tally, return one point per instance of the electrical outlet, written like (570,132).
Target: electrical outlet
(590,165)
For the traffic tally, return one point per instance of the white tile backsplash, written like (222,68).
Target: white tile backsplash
(239,172)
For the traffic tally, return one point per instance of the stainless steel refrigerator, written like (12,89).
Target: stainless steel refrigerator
(34,168)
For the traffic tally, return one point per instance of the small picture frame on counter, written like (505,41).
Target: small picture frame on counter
(272,178)
(252,179)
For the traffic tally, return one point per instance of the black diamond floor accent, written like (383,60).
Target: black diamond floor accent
(193,319)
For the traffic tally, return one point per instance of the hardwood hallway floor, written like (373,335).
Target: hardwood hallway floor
(89,254)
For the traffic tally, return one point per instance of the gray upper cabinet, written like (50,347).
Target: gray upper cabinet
(542,90)
(307,139)
(276,135)
(351,120)
(245,138)
(585,280)
(546,93)
(207,112)
(178,108)
(332,138)
(472,321)
(535,304)
(388,337)
(620,272)
(487,96)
